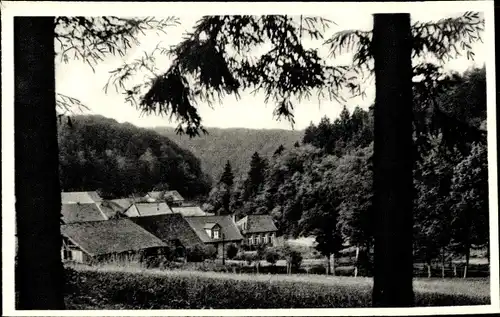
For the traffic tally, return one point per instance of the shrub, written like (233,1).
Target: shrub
(231,251)
(196,253)
(210,252)
(271,256)
(295,259)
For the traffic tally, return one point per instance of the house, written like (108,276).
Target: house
(147,209)
(82,212)
(171,196)
(216,230)
(80,197)
(115,207)
(172,229)
(190,211)
(116,239)
(258,229)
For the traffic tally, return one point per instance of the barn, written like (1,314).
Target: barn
(111,240)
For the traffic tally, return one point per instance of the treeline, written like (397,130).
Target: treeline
(118,160)
(323,186)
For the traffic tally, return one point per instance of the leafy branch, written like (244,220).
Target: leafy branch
(221,57)
(91,39)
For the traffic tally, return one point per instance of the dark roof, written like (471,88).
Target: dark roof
(257,223)
(110,236)
(189,211)
(81,212)
(169,227)
(148,209)
(228,227)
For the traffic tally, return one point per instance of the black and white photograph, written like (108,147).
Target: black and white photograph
(227,158)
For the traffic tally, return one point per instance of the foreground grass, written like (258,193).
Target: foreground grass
(126,288)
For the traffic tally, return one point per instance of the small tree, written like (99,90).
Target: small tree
(231,251)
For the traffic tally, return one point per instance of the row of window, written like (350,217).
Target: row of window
(261,239)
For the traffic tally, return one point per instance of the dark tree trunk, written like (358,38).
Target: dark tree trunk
(443,263)
(467,258)
(328,264)
(39,275)
(333,265)
(393,161)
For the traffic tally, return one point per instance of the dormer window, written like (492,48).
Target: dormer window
(215,233)
(213,230)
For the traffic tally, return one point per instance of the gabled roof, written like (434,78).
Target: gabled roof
(190,211)
(210,225)
(148,209)
(81,213)
(161,195)
(111,236)
(169,227)
(80,197)
(257,223)
(228,227)
(114,207)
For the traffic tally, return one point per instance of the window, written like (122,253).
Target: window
(265,239)
(257,239)
(67,254)
(215,234)
(250,240)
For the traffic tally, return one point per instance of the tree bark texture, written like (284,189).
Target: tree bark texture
(39,274)
(393,161)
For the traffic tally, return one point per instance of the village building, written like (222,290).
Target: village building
(172,229)
(172,197)
(112,240)
(80,197)
(218,231)
(82,212)
(190,211)
(115,207)
(258,230)
(147,209)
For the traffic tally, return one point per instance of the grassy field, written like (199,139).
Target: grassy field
(129,288)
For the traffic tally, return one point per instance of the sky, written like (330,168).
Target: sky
(79,81)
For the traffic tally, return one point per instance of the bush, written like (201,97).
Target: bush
(271,256)
(196,253)
(210,252)
(295,259)
(231,251)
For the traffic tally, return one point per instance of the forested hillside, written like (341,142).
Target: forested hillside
(324,186)
(97,153)
(235,144)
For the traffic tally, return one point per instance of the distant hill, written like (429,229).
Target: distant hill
(234,144)
(98,153)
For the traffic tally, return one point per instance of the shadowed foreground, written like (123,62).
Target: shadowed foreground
(125,288)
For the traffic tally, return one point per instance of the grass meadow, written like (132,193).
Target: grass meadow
(108,287)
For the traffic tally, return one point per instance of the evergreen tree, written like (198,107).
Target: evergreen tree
(227,177)
(256,176)
(279,150)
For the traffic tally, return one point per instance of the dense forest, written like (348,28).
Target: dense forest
(323,186)
(233,144)
(97,153)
